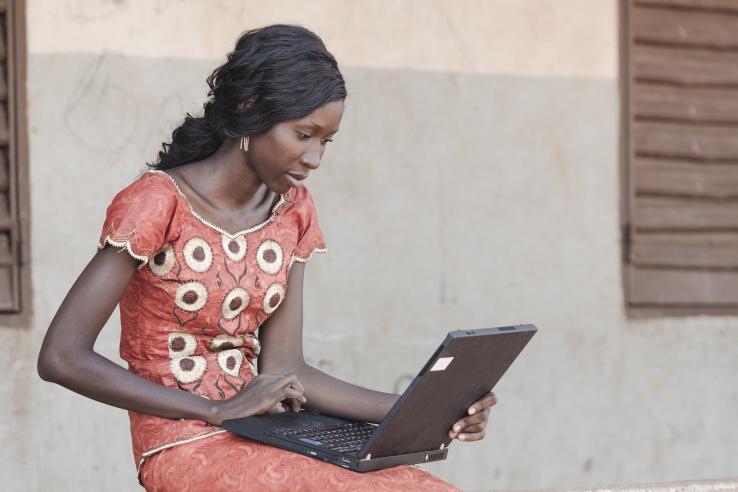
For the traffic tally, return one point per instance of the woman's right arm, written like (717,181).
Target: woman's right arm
(67,356)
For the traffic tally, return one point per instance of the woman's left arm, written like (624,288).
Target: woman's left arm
(281,353)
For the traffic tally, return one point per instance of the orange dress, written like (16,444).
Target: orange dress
(189,317)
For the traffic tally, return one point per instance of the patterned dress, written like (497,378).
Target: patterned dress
(188,321)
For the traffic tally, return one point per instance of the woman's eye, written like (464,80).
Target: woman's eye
(303,136)
(326,140)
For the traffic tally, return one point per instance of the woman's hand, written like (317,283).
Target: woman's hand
(263,394)
(471,428)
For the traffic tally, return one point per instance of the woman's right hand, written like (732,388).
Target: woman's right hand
(263,394)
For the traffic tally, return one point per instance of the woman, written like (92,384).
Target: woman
(205,249)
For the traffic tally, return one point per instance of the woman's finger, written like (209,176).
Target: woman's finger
(488,400)
(473,428)
(295,398)
(467,421)
(456,431)
(474,436)
(291,380)
(277,408)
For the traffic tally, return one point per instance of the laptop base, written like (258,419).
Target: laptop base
(355,463)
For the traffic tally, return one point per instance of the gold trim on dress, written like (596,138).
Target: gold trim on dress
(300,259)
(172,444)
(126,244)
(284,198)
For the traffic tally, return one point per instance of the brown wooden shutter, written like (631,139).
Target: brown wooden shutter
(681,153)
(13,161)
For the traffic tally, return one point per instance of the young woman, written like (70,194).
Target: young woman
(205,249)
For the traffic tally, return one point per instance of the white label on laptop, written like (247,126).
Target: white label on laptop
(442,363)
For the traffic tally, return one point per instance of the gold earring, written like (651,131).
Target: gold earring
(244,143)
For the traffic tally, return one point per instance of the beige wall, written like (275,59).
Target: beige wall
(474,183)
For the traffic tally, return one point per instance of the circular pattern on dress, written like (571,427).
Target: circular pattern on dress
(198,255)
(162,261)
(253,343)
(191,296)
(235,301)
(269,257)
(273,298)
(224,342)
(230,361)
(181,344)
(234,248)
(188,369)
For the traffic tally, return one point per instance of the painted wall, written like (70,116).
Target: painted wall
(474,182)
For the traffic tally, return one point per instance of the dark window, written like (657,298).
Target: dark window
(680,156)
(15,300)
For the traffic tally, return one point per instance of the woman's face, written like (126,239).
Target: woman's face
(283,156)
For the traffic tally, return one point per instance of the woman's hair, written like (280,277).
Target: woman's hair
(274,74)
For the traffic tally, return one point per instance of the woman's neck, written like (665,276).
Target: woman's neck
(226,181)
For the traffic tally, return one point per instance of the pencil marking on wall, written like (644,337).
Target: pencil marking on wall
(114,111)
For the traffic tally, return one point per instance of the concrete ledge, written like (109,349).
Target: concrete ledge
(727,485)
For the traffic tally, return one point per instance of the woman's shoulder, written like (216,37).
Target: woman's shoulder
(141,215)
(151,191)
(301,200)
(148,183)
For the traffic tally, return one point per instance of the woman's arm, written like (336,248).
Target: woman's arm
(281,353)
(67,356)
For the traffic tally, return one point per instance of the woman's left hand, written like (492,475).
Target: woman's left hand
(471,428)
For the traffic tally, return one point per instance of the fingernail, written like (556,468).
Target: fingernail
(472,410)
(457,427)
(462,437)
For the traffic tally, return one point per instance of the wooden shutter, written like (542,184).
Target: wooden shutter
(681,152)
(13,160)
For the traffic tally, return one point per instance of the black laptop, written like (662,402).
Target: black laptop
(465,367)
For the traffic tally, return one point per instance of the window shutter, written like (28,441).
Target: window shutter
(681,153)
(13,160)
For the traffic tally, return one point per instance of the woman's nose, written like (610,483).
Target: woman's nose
(311,160)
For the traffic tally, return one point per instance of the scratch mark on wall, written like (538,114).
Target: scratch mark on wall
(99,103)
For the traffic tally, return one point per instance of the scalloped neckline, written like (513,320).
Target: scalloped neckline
(284,197)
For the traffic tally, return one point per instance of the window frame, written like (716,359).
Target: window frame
(18,161)
(627,181)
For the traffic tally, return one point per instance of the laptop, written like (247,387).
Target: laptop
(467,365)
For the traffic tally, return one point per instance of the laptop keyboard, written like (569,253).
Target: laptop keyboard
(348,438)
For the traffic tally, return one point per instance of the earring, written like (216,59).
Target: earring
(244,143)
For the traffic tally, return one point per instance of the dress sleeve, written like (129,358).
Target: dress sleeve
(310,237)
(140,218)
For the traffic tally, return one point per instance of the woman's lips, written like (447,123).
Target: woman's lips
(296,179)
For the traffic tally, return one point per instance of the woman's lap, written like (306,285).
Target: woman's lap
(226,462)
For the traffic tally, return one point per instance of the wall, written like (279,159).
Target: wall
(475,182)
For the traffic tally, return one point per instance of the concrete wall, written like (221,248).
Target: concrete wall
(474,183)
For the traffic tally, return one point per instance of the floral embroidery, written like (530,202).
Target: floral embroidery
(230,361)
(225,342)
(191,296)
(181,344)
(198,255)
(269,257)
(163,261)
(253,343)
(273,298)
(235,301)
(235,249)
(188,369)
